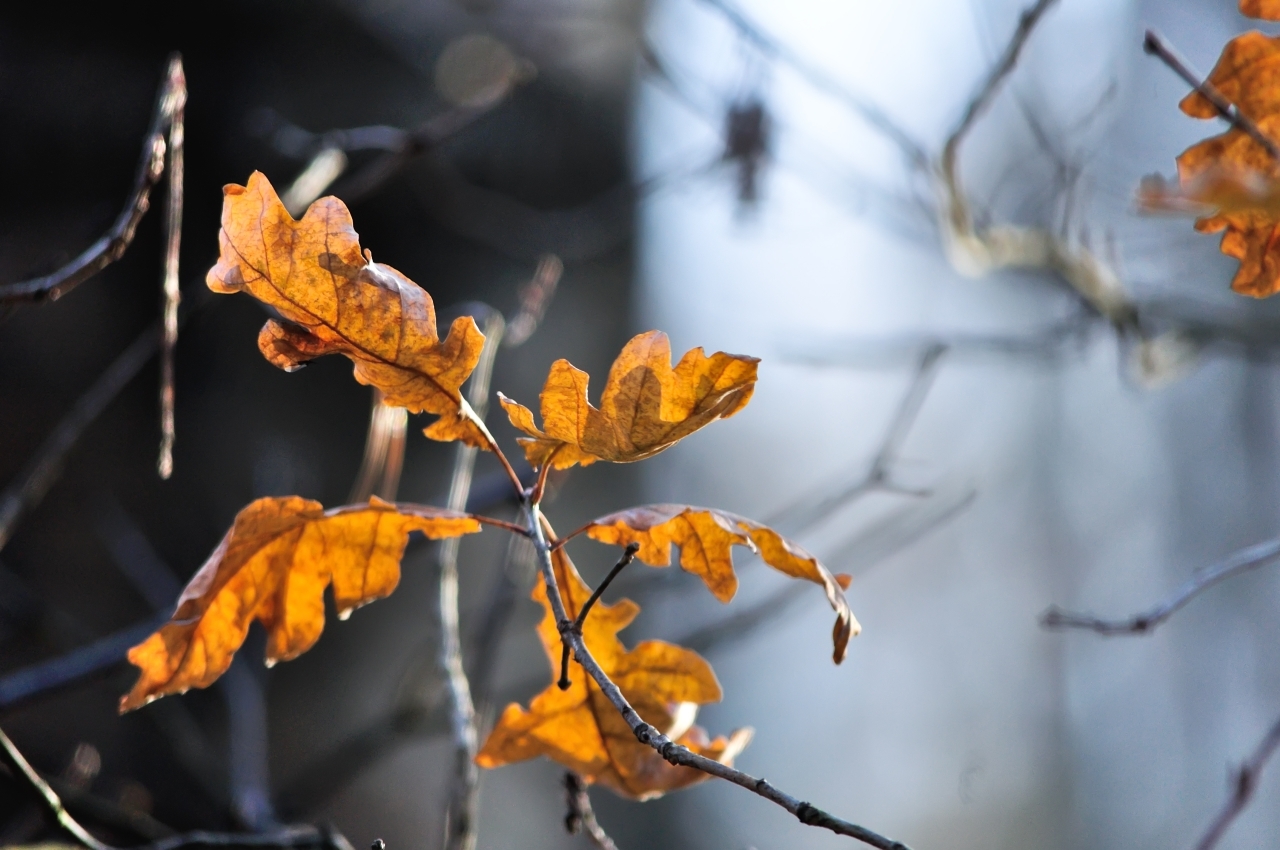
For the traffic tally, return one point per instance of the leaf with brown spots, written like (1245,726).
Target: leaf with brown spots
(706,536)
(1225,169)
(273,566)
(336,300)
(646,406)
(582,730)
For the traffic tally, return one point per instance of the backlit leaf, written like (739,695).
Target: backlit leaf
(1268,10)
(273,566)
(646,406)
(1248,75)
(336,300)
(580,729)
(705,537)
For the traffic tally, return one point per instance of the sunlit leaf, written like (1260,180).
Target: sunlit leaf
(336,300)
(646,406)
(582,730)
(273,566)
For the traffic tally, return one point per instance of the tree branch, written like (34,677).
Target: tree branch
(628,555)
(1243,784)
(1239,562)
(173,246)
(668,749)
(580,816)
(1154,45)
(112,245)
(461,808)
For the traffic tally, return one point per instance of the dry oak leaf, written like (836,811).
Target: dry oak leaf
(582,730)
(273,565)
(336,300)
(1268,10)
(1248,75)
(646,405)
(705,537)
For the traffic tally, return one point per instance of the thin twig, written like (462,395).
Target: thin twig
(810,511)
(580,816)
(668,749)
(1153,44)
(987,92)
(115,241)
(383,459)
(1144,622)
(461,809)
(173,243)
(294,836)
(1244,782)
(628,556)
(535,297)
(44,467)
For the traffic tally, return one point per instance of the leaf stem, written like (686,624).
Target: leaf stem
(576,626)
(674,753)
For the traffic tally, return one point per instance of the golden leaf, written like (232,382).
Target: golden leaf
(336,300)
(582,730)
(705,537)
(1248,75)
(646,405)
(273,565)
(1268,10)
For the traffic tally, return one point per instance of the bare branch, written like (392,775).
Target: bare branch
(295,836)
(463,803)
(1155,45)
(580,816)
(383,459)
(628,556)
(44,467)
(1239,562)
(535,297)
(112,245)
(674,753)
(1244,782)
(173,245)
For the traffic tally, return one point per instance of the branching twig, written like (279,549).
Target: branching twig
(580,816)
(462,805)
(113,244)
(628,556)
(1243,784)
(647,734)
(1239,562)
(44,467)
(1153,44)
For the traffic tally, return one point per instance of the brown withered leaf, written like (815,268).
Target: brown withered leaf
(1248,75)
(580,729)
(706,536)
(336,300)
(646,406)
(1212,191)
(1268,10)
(273,565)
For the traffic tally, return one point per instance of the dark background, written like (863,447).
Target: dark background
(544,171)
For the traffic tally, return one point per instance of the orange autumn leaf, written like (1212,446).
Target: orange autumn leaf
(273,566)
(1248,75)
(1267,10)
(581,729)
(1212,191)
(705,537)
(646,406)
(336,300)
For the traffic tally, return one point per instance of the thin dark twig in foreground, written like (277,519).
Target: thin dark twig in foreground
(1146,621)
(1153,44)
(627,556)
(115,241)
(580,816)
(296,836)
(674,753)
(1244,782)
(44,467)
